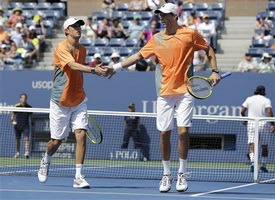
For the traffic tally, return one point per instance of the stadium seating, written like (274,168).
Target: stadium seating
(91,50)
(85,41)
(43,6)
(101,42)
(116,42)
(258,43)
(187,7)
(201,6)
(122,6)
(271,6)
(255,52)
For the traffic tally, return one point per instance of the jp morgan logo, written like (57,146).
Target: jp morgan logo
(47,85)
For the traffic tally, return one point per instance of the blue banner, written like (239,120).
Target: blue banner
(138,87)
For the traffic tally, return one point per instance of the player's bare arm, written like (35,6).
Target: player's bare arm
(95,70)
(213,61)
(133,59)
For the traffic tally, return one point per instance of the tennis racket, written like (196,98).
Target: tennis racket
(94,132)
(201,87)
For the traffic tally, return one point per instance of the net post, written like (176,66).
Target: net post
(256,151)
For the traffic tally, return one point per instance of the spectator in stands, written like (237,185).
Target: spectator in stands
(16,34)
(36,40)
(137,5)
(13,57)
(131,129)
(3,18)
(108,4)
(148,34)
(248,64)
(265,65)
(8,41)
(200,61)
(3,54)
(208,31)
(90,29)
(258,106)
(118,29)
(136,29)
(3,33)
(115,58)
(21,122)
(105,29)
(39,24)
(193,20)
(28,51)
(16,17)
(152,5)
(96,61)
(261,23)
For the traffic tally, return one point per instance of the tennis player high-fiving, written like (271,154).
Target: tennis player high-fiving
(68,100)
(174,49)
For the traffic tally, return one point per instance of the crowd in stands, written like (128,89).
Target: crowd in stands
(24,26)
(117,26)
(120,28)
(260,56)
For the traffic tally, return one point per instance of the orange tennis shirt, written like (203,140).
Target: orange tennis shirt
(68,84)
(175,54)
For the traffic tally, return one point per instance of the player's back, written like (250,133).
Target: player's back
(257,105)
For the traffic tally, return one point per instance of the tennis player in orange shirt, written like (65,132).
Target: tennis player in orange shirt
(174,48)
(68,100)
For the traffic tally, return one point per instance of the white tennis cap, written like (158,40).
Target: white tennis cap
(115,55)
(19,25)
(72,21)
(31,27)
(167,8)
(97,55)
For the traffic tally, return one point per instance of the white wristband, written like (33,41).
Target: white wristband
(117,66)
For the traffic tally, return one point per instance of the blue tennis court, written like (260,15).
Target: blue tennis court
(28,187)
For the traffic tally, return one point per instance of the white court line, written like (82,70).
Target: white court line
(221,190)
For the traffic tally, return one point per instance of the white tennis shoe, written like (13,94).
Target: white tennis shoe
(80,182)
(182,185)
(165,183)
(43,171)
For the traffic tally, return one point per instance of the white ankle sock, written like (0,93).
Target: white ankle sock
(47,158)
(166,167)
(78,169)
(183,166)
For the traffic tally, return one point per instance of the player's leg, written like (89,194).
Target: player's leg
(79,120)
(17,142)
(165,117)
(184,109)
(264,158)
(251,138)
(135,137)
(126,138)
(59,128)
(27,142)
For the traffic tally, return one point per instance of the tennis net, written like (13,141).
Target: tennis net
(218,149)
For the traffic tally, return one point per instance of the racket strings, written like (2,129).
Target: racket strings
(199,87)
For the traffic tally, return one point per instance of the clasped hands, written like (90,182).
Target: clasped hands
(106,71)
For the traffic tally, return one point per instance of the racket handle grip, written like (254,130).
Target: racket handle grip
(225,74)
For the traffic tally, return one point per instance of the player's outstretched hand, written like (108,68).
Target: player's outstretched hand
(100,71)
(110,71)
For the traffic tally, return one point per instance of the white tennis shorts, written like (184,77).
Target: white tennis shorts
(264,132)
(182,105)
(63,119)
